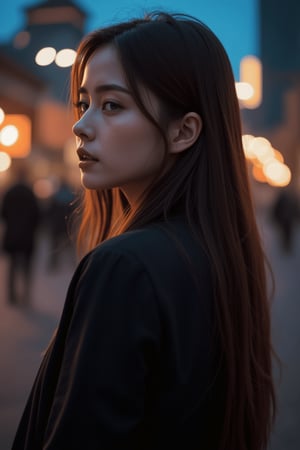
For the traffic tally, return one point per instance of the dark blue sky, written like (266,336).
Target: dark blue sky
(233,21)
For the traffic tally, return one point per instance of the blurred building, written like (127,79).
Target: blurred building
(38,87)
(278,116)
(19,88)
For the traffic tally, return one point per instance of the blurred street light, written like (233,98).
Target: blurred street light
(2,115)
(9,135)
(5,161)
(277,173)
(65,57)
(251,74)
(15,135)
(267,163)
(62,58)
(244,90)
(45,56)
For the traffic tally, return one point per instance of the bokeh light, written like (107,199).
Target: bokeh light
(2,115)
(9,135)
(16,135)
(251,73)
(262,149)
(5,161)
(267,162)
(65,57)
(247,141)
(258,174)
(244,90)
(277,173)
(278,155)
(45,56)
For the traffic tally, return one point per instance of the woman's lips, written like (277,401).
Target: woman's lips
(85,156)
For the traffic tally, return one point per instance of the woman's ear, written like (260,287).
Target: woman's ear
(184,132)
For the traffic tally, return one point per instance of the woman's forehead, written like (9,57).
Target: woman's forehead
(104,66)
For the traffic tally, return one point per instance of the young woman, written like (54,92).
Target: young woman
(164,341)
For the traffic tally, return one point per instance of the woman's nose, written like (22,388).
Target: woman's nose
(82,130)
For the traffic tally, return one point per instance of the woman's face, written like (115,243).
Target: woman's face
(117,145)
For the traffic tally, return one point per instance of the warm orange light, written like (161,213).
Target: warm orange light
(244,90)
(22,145)
(278,155)
(258,174)
(267,162)
(262,149)
(277,173)
(5,161)
(247,141)
(9,135)
(2,115)
(251,73)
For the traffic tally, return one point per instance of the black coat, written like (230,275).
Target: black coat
(131,365)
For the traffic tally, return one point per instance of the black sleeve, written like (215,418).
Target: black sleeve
(110,350)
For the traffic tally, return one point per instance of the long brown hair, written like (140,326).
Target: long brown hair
(185,66)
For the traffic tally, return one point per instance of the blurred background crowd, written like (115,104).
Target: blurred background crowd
(39,184)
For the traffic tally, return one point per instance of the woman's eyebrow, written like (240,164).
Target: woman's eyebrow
(104,88)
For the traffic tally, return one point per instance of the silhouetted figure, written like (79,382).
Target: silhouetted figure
(285,214)
(20,214)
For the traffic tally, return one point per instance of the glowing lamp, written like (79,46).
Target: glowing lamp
(45,56)
(277,173)
(244,90)
(65,57)
(5,161)
(15,135)
(2,115)
(9,135)
(251,75)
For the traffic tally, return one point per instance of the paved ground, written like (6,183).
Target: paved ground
(286,338)
(24,334)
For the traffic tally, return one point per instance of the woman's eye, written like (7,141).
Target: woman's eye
(82,107)
(110,106)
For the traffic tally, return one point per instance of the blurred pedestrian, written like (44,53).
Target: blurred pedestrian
(20,215)
(165,338)
(285,213)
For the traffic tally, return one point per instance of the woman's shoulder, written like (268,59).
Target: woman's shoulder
(141,239)
(163,259)
(135,241)
(158,244)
